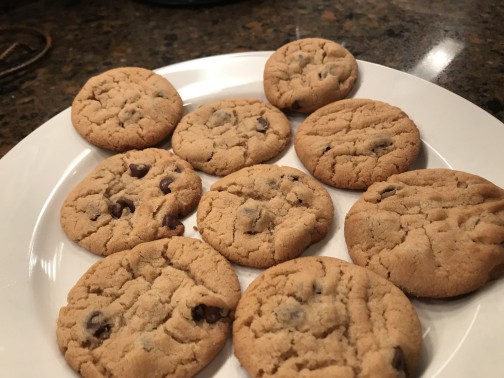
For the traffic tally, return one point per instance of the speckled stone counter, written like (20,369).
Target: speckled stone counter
(89,37)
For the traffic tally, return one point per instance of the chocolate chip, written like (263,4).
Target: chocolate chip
(322,75)
(171,222)
(139,170)
(164,185)
(262,124)
(98,326)
(221,117)
(302,59)
(294,178)
(380,146)
(198,313)
(251,213)
(212,314)
(127,203)
(162,94)
(178,169)
(296,105)
(209,313)
(290,313)
(271,183)
(399,361)
(96,290)
(389,192)
(327,149)
(117,208)
(316,288)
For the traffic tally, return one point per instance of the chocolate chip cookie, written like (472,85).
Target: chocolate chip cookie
(126,108)
(163,308)
(226,135)
(131,198)
(352,143)
(264,214)
(433,232)
(324,317)
(309,73)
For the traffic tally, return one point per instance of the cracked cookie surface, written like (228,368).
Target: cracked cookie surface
(352,143)
(309,73)
(130,198)
(433,232)
(126,108)
(324,317)
(163,308)
(226,135)
(264,214)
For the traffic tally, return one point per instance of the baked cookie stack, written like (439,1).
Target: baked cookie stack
(160,304)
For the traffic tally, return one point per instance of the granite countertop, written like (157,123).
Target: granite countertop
(89,37)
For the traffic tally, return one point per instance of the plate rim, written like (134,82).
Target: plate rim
(15,155)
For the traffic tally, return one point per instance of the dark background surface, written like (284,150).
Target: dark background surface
(89,37)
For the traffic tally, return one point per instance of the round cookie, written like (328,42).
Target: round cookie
(433,232)
(226,135)
(309,73)
(352,143)
(163,308)
(130,198)
(126,108)
(264,214)
(323,317)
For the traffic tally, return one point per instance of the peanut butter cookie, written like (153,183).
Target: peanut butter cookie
(131,198)
(433,232)
(264,214)
(163,308)
(224,136)
(324,317)
(352,143)
(126,108)
(309,73)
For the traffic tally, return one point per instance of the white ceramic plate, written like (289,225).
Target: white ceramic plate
(38,264)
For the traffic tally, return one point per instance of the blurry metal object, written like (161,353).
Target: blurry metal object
(20,47)
(187,2)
